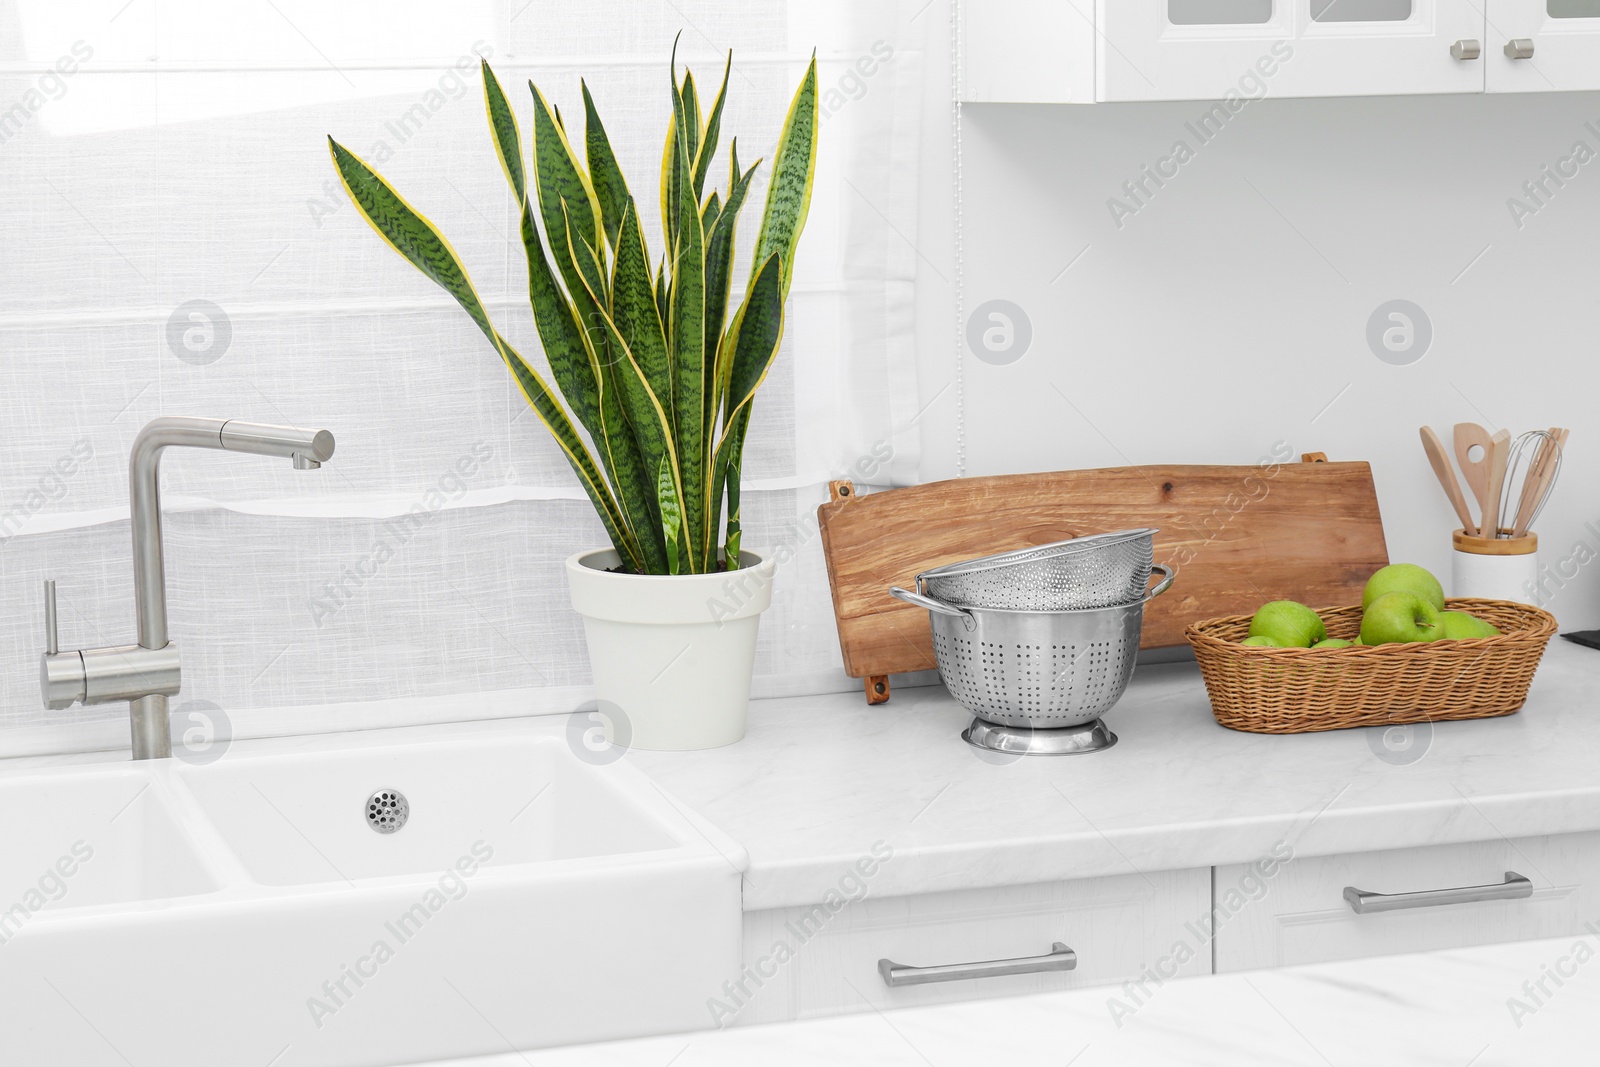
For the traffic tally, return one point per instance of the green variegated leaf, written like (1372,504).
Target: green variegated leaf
(558,177)
(671,161)
(708,143)
(634,309)
(753,338)
(585,260)
(691,372)
(415,238)
(709,213)
(749,350)
(729,467)
(631,475)
(503,125)
(691,118)
(719,275)
(662,282)
(610,187)
(671,517)
(793,169)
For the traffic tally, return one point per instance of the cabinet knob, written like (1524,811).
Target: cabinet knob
(1519,48)
(1467,49)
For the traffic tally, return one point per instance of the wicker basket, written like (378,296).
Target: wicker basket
(1301,690)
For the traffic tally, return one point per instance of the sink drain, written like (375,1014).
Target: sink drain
(387,810)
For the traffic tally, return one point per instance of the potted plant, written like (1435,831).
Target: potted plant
(658,375)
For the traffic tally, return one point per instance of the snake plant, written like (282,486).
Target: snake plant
(647,360)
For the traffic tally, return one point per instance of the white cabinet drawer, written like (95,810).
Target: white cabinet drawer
(805,962)
(1299,913)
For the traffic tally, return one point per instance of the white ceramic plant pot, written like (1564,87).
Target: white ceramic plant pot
(672,654)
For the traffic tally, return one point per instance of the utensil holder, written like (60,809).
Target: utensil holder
(1495,568)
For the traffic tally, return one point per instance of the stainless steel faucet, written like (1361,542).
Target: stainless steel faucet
(146,674)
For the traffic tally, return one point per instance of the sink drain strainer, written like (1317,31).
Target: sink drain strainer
(387,810)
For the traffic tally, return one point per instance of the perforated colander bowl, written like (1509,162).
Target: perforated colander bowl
(1098,571)
(1037,669)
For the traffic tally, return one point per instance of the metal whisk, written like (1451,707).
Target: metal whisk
(1532,467)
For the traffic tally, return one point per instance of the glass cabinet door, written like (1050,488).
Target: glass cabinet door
(1536,46)
(1233,50)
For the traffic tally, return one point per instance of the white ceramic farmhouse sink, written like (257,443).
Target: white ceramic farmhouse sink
(246,912)
(79,839)
(302,818)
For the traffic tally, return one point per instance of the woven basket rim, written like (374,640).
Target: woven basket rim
(1541,626)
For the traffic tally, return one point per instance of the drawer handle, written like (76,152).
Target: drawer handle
(1059,958)
(1515,887)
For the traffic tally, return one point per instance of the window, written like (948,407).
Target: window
(1362,10)
(1220,12)
(1573,9)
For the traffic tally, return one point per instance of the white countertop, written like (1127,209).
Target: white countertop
(1441,1009)
(818,780)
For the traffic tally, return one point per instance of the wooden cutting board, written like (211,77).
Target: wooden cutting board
(1237,536)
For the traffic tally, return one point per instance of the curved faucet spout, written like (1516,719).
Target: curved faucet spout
(307,448)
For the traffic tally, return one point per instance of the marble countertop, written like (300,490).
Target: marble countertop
(818,781)
(1462,1008)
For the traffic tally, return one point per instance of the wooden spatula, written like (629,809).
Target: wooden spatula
(1499,453)
(1440,461)
(1475,472)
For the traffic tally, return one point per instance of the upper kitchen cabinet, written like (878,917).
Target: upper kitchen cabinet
(1083,51)
(1538,46)
(1206,49)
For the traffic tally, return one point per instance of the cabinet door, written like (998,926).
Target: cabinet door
(1301,913)
(1536,46)
(1238,50)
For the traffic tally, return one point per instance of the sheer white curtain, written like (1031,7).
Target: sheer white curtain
(176,243)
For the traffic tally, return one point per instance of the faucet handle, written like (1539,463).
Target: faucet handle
(62,678)
(52,643)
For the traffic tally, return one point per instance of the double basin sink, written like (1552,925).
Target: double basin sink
(255,911)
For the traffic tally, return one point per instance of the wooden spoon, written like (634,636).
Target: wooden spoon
(1475,473)
(1499,453)
(1440,460)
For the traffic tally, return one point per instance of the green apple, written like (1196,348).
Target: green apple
(1260,641)
(1458,626)
(1333,642)
(1403,578)
(1291,624)
(1397,617)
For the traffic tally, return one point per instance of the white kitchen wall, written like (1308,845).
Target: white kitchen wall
(1229,311)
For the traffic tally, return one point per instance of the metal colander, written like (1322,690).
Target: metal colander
(1098,571)
(1036,669)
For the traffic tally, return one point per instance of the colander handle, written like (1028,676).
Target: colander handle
(1167,576)
(933,605)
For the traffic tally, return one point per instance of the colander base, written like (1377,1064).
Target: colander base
(1022,741)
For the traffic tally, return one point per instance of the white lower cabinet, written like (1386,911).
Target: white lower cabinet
(805,962)
(1300,913)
